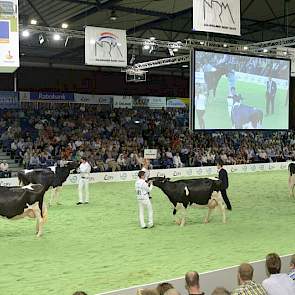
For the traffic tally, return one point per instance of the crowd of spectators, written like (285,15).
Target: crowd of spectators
(276,283)
(115,140)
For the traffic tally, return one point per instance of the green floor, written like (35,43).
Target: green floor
(99,247)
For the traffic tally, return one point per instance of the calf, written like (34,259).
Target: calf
(27,201)
(291,169)
(51,177)
(192,192)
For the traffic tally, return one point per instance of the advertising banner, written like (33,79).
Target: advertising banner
(92,99)
(217,16)
(122,102)
(9,36)
(105,47)
(52,96)
(156,102)
(9,100)
(174,102)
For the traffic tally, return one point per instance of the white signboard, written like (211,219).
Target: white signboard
(217,16)
(156,102)
(24,96)
(9,36)
(92,99)
(122,102)
(150,153)
(105,47)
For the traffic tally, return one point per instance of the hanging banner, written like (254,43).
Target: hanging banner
(122,102)
(92,99)
(9,100)
(9,36)
(105,47)
(140,101)
(217,16)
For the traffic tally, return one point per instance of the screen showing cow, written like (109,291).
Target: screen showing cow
(233,91)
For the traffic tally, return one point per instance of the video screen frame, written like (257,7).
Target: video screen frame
(242,54)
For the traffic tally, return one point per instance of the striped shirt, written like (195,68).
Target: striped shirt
(292,275)
(249,288)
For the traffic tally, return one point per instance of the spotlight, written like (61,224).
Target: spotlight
(246,47)
(171,52)
(152,38)
(146,47)
(175,49)
(202,42)
(33,22)
(64,25)
(185,66)
(25,33)
(113,15)
(285,52)
(224,45)
(132,59)
(66,41)
(265,50)
(56,37)
(41,39)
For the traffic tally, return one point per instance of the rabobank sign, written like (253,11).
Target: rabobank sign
(52,96)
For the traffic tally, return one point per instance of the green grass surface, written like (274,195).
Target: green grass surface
(216,115)
(100,247)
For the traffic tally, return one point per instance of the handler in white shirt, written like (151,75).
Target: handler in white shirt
(143,198)
(83,185)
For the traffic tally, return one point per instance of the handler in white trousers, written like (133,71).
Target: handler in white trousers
(83,185)
(143,197)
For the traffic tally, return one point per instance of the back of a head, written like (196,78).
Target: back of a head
(273,263)
(147,292)
(192,279)
(163,287)
(293,260)
(246,271)
(172,292)
(79,293)
(220,291)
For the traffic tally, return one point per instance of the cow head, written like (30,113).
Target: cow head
(158,181)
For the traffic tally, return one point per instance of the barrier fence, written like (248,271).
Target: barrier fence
(226,277)
(171,173)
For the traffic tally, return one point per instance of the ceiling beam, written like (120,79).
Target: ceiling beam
(37,12)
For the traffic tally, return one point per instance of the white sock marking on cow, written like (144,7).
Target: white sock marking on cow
(29,186)
(52,168)
(186,191)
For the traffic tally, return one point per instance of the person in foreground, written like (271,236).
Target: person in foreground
(192,283)
(222,175)
(246,285)
(277,283)
(220,291)
(292,268)
(143,190)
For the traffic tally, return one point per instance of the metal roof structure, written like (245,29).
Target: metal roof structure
(166,20)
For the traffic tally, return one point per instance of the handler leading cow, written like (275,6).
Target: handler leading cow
(192,192)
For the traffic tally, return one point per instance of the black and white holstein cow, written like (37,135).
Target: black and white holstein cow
(50,177)
(27,201)
(192,192)
(291,169)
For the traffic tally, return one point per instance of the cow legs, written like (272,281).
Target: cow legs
(40,221)
(207,218)
(182,213)
(54,198)
(221,206)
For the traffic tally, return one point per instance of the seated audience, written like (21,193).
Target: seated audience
(246,285)
(192,283)
(277,283)
(4,169)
